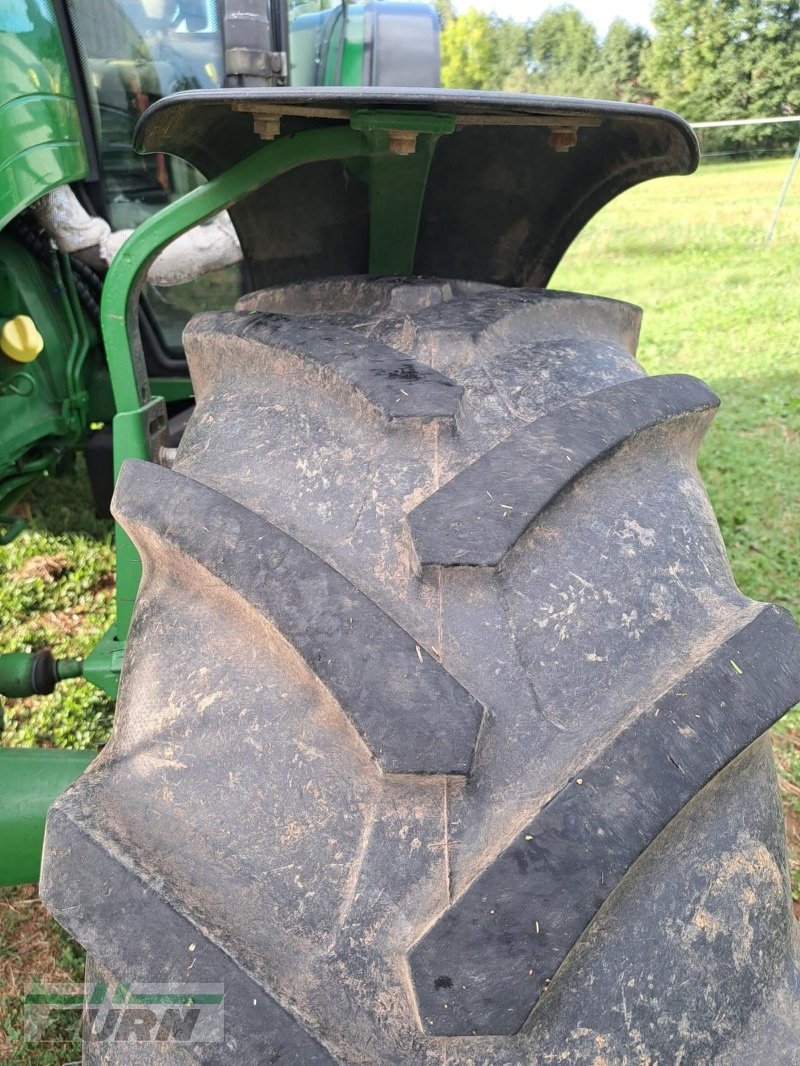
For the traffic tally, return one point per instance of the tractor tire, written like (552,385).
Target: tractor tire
(440,734)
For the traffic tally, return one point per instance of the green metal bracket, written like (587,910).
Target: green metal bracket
(172,388)
(138,434)
(103,664)
(400,146)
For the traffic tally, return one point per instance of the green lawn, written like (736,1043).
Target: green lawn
(718,305)
(57,591)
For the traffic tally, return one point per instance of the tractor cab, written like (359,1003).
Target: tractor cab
(77,76)
(134,53)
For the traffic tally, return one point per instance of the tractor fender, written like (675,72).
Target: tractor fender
(508,190)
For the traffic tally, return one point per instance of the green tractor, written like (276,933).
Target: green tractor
(440,727)
(75,77)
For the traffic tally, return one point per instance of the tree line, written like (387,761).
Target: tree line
(706,59)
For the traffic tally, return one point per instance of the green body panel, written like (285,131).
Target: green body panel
(41,146)
(316,41)
(30,779)
(44,405)
(349,53)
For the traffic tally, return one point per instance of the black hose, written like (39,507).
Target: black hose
(88,274)
(88,283)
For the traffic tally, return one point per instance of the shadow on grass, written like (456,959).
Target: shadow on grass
(60,504)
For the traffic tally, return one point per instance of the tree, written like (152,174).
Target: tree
(512,59)
(725,58)
(445,10)
(564,53)
(469,51)
(559,53)
(621,55)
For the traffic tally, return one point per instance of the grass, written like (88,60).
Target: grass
(33,949)
(56,591)
(718,305)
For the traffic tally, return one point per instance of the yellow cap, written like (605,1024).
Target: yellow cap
(20,340)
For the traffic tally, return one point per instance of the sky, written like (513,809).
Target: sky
(600,12)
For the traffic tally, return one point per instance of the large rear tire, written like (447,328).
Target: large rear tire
(440,732)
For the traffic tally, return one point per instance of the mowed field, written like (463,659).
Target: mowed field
(718,305)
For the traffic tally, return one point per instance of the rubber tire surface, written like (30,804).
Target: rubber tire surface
(439,736)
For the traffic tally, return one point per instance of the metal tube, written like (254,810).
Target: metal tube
(30,779)
(127,273)
(784,193)
(247,38)
(36,673)
(118,309)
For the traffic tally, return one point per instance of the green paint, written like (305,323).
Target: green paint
(34,160)
(30,779)
(345,58)
(170,389)
(397,184)
(45,402)
(41,145)
(16,673)
(103,664)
